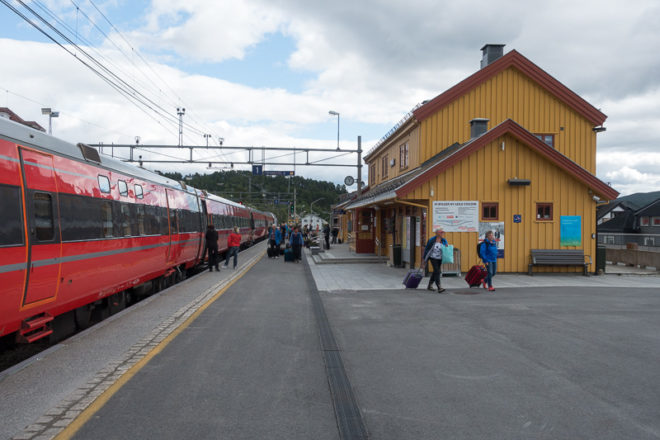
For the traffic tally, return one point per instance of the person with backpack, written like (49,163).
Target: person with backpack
(274,238)
(211,237)
(433,253)
(297,241)
(234,243)
(487,250)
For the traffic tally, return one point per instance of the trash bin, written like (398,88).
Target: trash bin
(396,255)
(601,256)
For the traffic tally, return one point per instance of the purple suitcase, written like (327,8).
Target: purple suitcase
(413,277)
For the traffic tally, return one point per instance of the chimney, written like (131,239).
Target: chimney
(491,52)
(478,126)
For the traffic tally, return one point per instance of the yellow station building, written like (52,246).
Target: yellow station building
(508,149)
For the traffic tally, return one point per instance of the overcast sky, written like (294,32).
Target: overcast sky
(267,72)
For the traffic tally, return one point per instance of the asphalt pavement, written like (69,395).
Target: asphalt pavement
(249,367)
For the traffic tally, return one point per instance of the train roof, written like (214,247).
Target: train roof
(24,135)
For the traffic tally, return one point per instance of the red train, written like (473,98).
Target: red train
(83,234)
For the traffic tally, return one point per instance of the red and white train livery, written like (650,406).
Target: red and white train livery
(79,231)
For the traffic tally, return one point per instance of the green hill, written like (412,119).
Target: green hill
(268,193)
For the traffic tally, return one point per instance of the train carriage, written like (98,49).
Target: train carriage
(80,230)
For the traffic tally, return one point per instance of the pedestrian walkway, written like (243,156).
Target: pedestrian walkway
(356,276)
(41,395)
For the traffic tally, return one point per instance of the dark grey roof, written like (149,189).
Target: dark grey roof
(634,202)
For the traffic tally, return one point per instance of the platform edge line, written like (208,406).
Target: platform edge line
(71,429)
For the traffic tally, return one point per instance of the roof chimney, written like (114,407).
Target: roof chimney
(478,126)
(491,52)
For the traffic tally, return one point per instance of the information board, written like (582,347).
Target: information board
(570,230)
(456,216)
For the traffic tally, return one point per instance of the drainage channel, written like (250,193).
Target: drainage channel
(347,412)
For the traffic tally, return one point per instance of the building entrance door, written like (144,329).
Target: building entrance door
(364,231)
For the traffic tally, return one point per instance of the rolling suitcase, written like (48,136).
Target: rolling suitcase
(476,275)
(288,255)
(413,278)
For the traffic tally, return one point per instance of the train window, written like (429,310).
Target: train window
(11,218)
(104,184)
(140,220)
(106,219)
(123,188)
(174,226)
(43,216)
(126,220)
(138,191)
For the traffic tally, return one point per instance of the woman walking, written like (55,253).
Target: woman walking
(297,242)
(488,254)
(433,253)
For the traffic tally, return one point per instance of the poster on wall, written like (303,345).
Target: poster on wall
(498,234)
(418,232)
(456,216)
(570,230)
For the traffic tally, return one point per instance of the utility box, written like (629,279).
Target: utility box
(396,255)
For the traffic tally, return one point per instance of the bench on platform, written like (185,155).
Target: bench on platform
(558,257)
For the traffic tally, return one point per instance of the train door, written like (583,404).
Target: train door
(201,248)
(44,245)
(173,246)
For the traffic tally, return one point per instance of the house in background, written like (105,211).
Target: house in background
(631,219)
(8,114)
(509,149)
(313,222)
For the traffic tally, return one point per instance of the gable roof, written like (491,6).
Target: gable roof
(524,65)
(510,127)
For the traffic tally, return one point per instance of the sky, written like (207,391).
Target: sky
(266,72)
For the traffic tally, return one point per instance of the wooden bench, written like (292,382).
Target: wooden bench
(558,257)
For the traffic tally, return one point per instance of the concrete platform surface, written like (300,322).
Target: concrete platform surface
(527,363)
(356,276)
(249,367)
(60,377)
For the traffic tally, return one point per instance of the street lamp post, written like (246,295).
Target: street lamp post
(51,114)
(334,113)
(311,205)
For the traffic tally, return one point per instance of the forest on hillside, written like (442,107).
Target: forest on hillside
(268,193)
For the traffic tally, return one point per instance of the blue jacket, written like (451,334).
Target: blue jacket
(488,251)
(275,235)
(296,238)
(429,246)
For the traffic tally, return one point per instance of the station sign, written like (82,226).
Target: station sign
(279,173)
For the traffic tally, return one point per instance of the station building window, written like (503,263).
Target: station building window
(403,156)
(544,211)
(547,138)
(384,167)
(490,211)
(372,174)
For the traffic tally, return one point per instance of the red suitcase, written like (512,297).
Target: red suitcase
(476,275)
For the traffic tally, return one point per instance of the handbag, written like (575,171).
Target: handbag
(448,254)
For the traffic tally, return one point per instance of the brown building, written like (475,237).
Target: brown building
(8,114)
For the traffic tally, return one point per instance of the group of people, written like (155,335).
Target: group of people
(233,242)
(487,251)
(285,236)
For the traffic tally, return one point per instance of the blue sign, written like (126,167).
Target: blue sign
(570,230)
(517,218)
(257,170)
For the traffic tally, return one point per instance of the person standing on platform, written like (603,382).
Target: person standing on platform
(488,254)
(326,234)
(297,242)
(335,233)
(275,237)
(234,242)
(433,253)
(212,247)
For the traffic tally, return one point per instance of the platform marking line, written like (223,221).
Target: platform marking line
(71,430)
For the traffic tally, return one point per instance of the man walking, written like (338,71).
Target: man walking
(212,247)
(234,243)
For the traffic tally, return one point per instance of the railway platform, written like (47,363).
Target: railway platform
(286,350)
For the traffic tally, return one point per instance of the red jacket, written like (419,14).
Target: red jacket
(234,240)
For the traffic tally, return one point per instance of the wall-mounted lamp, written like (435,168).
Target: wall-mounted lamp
(599,129)
(519,182)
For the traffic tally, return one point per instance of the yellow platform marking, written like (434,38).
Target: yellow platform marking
(96,405)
